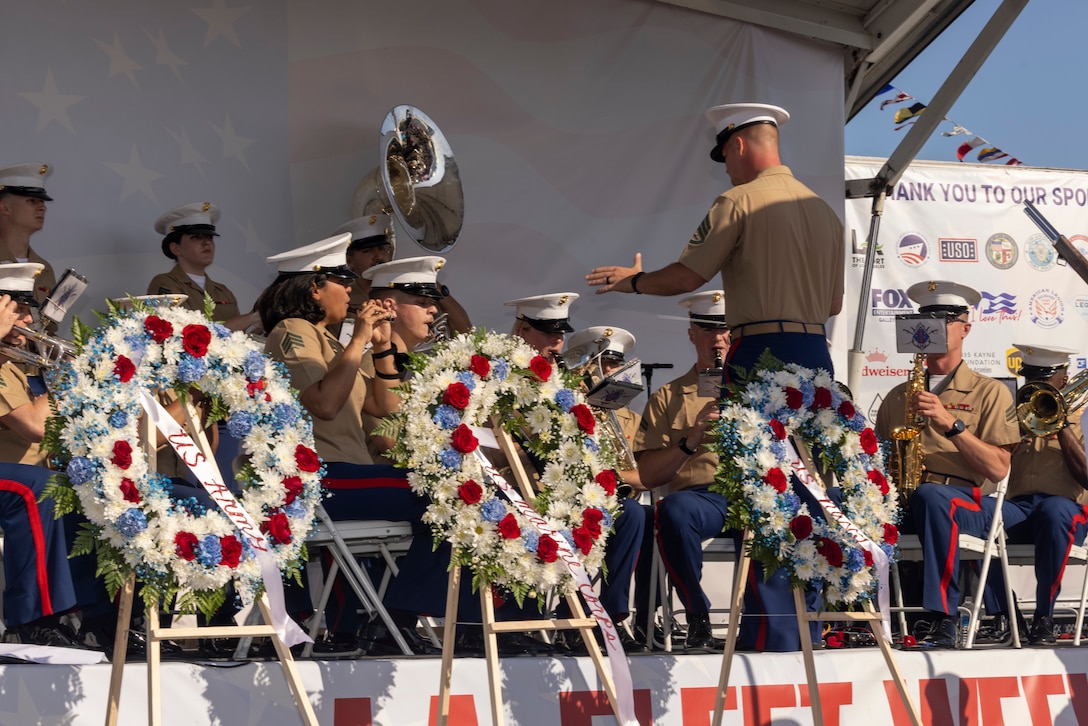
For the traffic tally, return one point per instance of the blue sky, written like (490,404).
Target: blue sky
(1029,99)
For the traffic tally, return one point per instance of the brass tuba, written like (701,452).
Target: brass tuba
(908,458)
(416,181)
(1044,410)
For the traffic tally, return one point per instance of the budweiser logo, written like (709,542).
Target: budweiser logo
(877,356)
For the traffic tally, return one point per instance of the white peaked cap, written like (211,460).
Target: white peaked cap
(706,307)
(197,214)
(546,312)
(1044,356)
(942,294)
(329,253)
(607,340)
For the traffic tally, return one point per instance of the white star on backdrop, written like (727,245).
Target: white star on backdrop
(253,242)
(137,178)
(233,144)
(120,63)
(189,154)
(52,105)
(220,20)
(164,56)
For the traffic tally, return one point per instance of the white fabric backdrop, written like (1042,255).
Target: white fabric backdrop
(950,221)
(577,126)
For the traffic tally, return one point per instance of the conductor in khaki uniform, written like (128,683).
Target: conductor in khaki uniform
(22,213)
(967,439)
(189,240)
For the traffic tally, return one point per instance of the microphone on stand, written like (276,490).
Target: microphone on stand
(648,372)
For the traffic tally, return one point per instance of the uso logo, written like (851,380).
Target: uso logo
(912,249)
(1046,308)
(953,249)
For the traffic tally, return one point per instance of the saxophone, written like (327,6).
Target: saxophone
(908,457)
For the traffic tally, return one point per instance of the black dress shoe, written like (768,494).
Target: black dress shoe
(469,642)
(701,636)
(944,632)
(376,640)
(335,645)
(38,633)
(1042,630)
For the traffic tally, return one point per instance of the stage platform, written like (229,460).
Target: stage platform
(1033,686)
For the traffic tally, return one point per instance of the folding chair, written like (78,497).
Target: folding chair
(717,549)
(350,539)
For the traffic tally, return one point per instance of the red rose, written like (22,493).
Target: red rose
(583,540)
(470,492)
(508,527)
(592,515)
(122,454)
(278,527)
(546,549)
(821,399)
(801,526)
(254,388)
(463,440)
(891,533)
(185,545)
(480,365)
(869,443)
(584,416)
(124,369)
(831,551)
(293,485)
(231,550)
(868,557)
(306,459)
(608,481)
(195,339)
(794,398)
(877,478)
(778,429)
(847,410)
(129,491)
(594,529)
(777,479)
(457,395)
(541,367)
(157,328)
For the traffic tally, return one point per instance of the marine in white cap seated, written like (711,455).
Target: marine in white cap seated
(1048,476)
(189,239)
(608,343)
(543,321)
(951,299)
(22,214)
(706,309)
(411,286)
(774,243)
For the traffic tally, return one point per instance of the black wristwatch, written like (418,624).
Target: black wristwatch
(958,427)
(682,444)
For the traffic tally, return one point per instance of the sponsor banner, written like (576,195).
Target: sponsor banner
(982,687)
(950,221)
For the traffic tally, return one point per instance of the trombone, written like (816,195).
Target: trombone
(51,350)
(1044,410)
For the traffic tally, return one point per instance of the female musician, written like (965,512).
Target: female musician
(311,294)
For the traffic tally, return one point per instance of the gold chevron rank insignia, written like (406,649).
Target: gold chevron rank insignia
(290,342)
(700,234)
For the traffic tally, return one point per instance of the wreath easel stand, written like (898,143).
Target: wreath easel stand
(804,617)
(491,628)
(156,634)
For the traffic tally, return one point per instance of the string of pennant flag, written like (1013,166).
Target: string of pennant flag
(907,115)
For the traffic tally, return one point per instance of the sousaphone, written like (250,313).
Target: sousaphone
(416,181)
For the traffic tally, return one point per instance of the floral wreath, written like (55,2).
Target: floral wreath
(754,472)
(179,547)
(468,382)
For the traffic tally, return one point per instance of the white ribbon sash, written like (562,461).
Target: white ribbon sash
(207,473)
(833,513)
(617,659)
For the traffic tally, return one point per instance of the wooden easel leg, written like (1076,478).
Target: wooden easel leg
(290,670)
(449,631)
(594,650)
(810,662)
(491,650)
(740,580)
(893,668)
(154,681)
(120,649)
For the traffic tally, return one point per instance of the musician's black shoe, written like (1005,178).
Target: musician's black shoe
(1042,630)
(701,636)
(944,632)
(377,640)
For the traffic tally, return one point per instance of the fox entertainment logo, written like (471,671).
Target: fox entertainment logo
(886,304)
(998,307)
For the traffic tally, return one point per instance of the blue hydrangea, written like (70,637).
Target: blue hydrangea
(285,414)
(855,559)
(131,522)
(253,365)
(209,552)
(606,521)
(295,509)
(532,541)
(808,392)
(240,424)
(791,501)
(80,470)
(191,369)
(118,419)
(591,444)
(447,417)
(493,510)
(500,370)
(889,551)
(192,505)
(565,399)
(449,458)
(138,345)
(778,448)
(568,537)
(468,378)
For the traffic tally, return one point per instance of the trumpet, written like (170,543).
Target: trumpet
(1044,410)
(50,349)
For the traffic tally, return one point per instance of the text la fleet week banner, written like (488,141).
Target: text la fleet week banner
(965,222)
